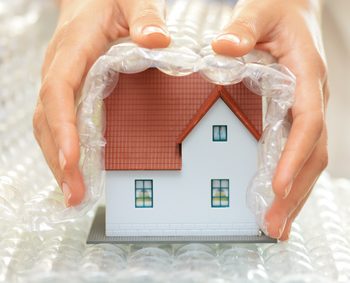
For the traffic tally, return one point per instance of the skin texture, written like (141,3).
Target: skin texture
(289,30)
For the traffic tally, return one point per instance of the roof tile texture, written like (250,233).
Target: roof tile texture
(147,113)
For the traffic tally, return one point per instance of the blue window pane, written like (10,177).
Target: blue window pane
(219,133)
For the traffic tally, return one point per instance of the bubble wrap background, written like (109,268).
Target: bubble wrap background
(318,251)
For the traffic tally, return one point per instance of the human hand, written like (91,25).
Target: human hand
(85,30)
(290,31)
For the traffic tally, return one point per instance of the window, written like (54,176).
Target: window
(220,193)
(219,133)
(143,193)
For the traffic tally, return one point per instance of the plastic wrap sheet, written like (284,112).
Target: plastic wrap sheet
(189,52)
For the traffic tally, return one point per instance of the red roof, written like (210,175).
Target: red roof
(150,113)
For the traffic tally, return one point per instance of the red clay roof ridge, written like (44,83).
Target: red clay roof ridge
(207,104)
(230,102)
(219,92)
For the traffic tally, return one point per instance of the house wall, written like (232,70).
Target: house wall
(182,199)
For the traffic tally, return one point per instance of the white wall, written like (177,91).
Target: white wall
(182,199)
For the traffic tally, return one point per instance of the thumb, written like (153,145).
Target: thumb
(251,23)
(146,22)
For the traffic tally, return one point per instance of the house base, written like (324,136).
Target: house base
(98,236)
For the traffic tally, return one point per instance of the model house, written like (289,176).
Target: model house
(179,157)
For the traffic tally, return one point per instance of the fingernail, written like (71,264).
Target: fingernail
(67,193)
(154,29)
(61,159)
(287,190)
(229,37)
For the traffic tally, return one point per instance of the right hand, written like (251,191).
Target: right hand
(86,28)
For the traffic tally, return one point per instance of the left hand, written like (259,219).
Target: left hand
(85,30)
(290,31)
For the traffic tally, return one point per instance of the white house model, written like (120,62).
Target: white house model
(179,157)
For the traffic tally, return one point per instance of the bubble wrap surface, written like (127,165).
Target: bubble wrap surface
(33,249)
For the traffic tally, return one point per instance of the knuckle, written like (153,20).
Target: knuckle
(68,32)
(247,24)
(149,10)
(47,87)
(51,85)
(63,29)
(145,14)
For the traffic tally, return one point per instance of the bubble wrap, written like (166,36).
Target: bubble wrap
(318,250)
(192,25)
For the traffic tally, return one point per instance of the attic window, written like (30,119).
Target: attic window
(143,193)
(220,193)
(219,133)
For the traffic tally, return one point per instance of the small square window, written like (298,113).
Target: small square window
(220,193)
(143,193)
(219,133)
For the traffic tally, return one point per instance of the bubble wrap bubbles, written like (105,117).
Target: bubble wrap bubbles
(189,52)
(34,249)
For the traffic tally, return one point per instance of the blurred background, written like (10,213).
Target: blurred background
(336,32)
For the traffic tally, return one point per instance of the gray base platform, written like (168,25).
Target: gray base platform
(97,236)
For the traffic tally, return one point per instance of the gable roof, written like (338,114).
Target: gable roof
(150,113)
(219,92)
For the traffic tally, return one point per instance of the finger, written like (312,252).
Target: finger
(43,136)
(286,232)
(53,158)
(282,208)
(252,22)
(295,213)
(307,125)
(146,22)
(74,55)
